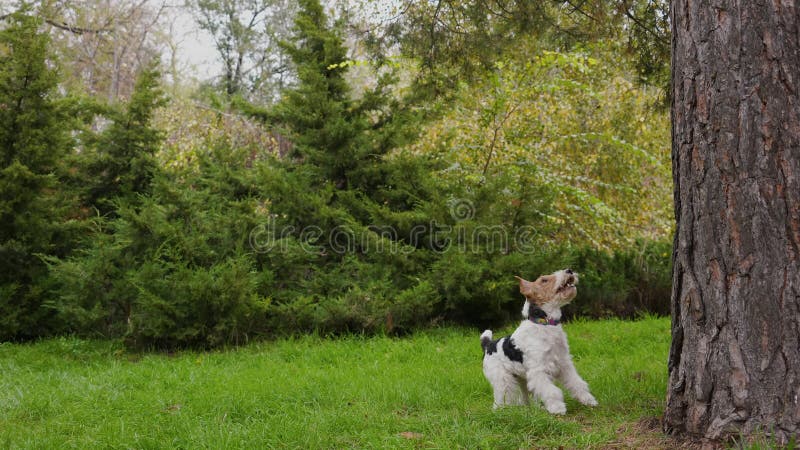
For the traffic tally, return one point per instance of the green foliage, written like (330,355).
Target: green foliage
(123,163)
(34,140)
(190,128)
(480,289)
(179,304)
(567,136)
(359,203)
(330,201)
(629,282)
(459,41)
(649,41)
(175,267)
(117,167)
(326,128)
(93,297)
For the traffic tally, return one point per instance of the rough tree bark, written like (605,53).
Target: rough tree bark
(734,365)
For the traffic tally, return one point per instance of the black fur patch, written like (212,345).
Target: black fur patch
(489,346)
(511,350)
(536,313)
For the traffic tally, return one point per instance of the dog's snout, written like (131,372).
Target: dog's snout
(569,271)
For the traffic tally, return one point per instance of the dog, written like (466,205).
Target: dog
(536,353)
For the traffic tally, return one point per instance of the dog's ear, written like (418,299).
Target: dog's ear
(525,287)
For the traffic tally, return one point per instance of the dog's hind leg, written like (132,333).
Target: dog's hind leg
(505,385)
(507,391)
(523,390)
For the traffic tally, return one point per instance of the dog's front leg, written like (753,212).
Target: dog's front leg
(575,384)
(542,387)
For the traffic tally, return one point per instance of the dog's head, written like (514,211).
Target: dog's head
(556,289)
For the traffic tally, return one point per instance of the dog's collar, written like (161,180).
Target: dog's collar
(538,316)
(543,321)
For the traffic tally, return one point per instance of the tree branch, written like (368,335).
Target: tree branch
(75,29)
(68,27)
(643,26)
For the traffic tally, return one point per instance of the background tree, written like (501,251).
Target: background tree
(734,365)
(34,140)
(457,40)
(246,36)
(562,124)
(103,44)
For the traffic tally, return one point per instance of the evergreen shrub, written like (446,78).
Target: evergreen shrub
(627,282)
(173,268)
(480,290)
(35,139)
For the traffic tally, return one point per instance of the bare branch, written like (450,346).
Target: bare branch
(68,27)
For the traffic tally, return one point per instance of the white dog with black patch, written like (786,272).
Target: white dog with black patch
(536,353)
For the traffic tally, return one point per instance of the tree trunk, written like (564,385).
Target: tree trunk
(734,365)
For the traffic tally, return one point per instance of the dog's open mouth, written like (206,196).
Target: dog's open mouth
(569,283)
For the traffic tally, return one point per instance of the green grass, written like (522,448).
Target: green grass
(425,391)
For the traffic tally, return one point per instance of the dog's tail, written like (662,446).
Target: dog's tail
(486,340)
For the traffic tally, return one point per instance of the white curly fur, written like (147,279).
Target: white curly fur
(544,349)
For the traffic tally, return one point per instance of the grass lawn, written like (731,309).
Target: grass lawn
(425,391)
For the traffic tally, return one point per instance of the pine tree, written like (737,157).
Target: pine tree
(324,123)
(119,167)
(342,140)
(34,139)
(124,163)
(339,182)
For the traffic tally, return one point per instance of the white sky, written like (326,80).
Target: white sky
(196,51)
(198,56)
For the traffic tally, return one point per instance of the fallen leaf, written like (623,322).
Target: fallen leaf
(173,408)
(410,435)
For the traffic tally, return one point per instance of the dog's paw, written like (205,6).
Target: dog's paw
(587,399)
(559,408)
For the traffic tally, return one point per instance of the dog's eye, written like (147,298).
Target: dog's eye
(545,281)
